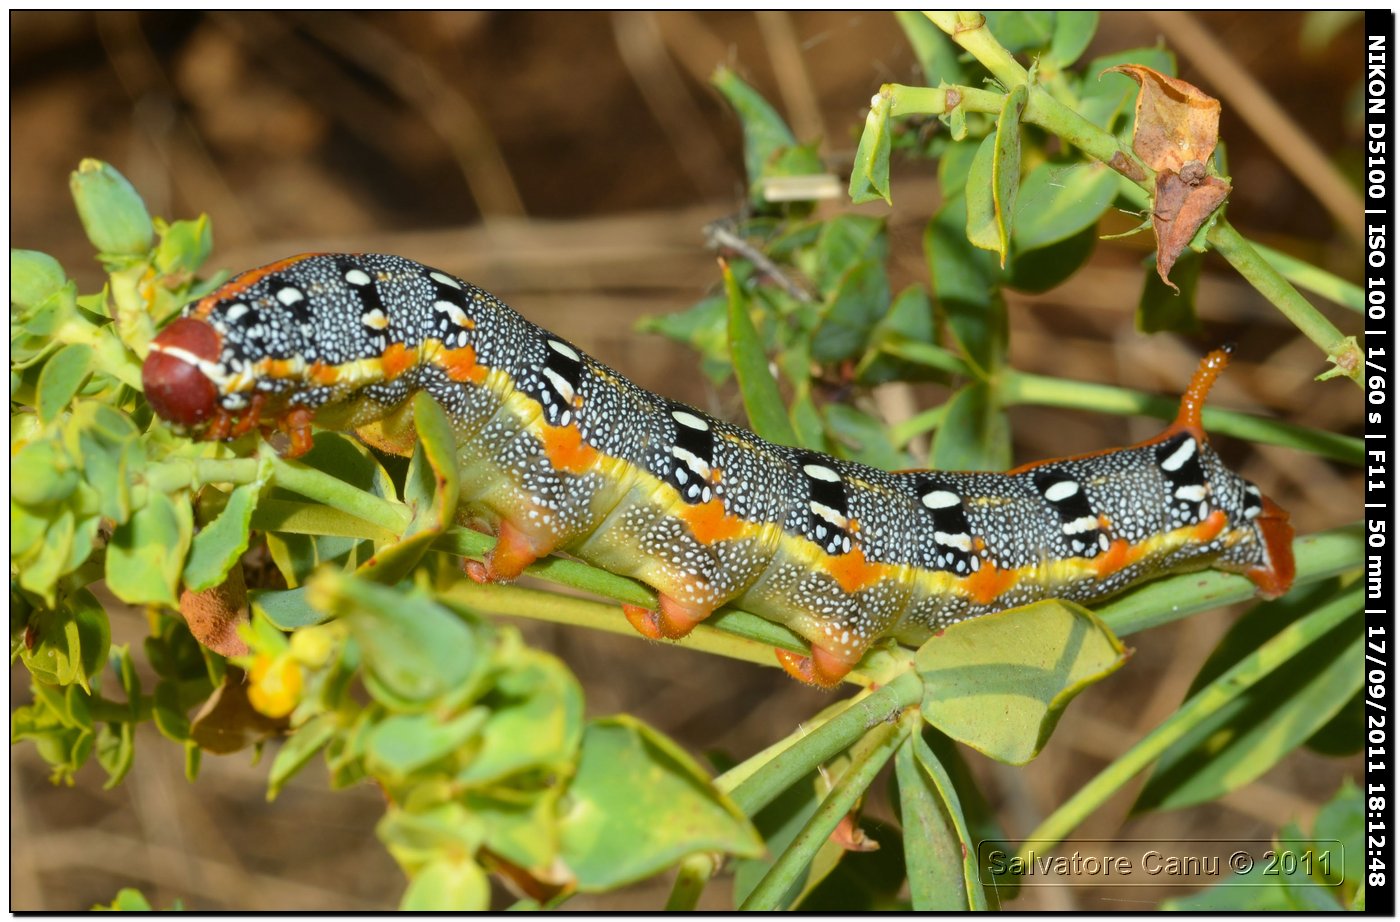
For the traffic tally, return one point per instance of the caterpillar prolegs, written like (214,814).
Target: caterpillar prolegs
(565,455)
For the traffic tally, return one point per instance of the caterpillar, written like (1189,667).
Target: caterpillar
(559,453)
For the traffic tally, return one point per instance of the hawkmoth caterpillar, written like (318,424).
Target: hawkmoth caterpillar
(562,454)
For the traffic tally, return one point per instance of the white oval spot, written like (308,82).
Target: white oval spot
(561,386)
(690,420)
(563,349)
(357,277)
(1192,493)
(447,280)
(457,315)
(289,296)
(376,320)
(1061,490)
(940,499)
(1179,457)
(817,472)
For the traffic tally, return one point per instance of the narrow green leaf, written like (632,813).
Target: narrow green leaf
(982,228)
(765,132)
(762,401)
(1043,269)
(1023,665)
(1239,741)
(932,847)
(1006,166)
(61,378)
(870,177)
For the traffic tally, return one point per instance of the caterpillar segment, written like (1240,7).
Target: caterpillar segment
(561,454)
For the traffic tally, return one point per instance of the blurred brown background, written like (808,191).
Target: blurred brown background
(569,162)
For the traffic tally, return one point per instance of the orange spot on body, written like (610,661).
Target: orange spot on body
(989,582)
(709,523)
(1212,526)
(566,449)
(1120,554)
(853,572)
(396,360)
(460,365)
(323,374)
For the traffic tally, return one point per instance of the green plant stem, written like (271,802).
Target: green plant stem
(322,487)
(1291,641)
(789,766)
(691,877)
(1019,387)
(1320,556)
(1310,278)
(769,893)
(1342,350)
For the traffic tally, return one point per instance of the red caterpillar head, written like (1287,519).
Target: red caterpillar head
(176,385)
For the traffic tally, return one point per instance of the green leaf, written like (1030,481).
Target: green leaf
(536,721)
(34,278)
(298,750)
(41,473)
(1162,309)
(910,318)
(61,378)
(1343,820)
(184,245)
(766,135)
(982,228)
(129,899)
(860,881)
(933,848)
(1240,741)
(1345,733)
(999,682)
(1043,269)
(1006,166)
(113,215)
(846,242)
(68,645)
(864,438)
(638,804)
(219,545)
(1303,891)
(870,178)
(414,649)
(1019,30)
(1058,200)
(522,828)
(762,401)
(974,435)
(147,553)
(287,609)
(861,298)
(404,743)
(451,884)
(1251,892)
(115,749)
(938,56)
(1074,30)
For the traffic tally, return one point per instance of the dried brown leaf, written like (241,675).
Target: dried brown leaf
(227,722)
(1176,123)
(1180,207)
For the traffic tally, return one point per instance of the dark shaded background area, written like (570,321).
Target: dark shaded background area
(569,162)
